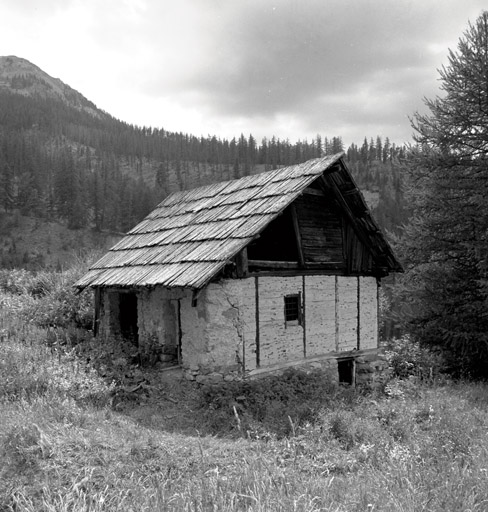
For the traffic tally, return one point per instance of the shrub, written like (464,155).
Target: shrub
(14,281)
(32,370)
(351,430)
(277,404)
(407,358)
(48,298)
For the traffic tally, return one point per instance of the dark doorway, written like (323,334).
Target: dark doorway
(128,316)
(346,369)
(171,355)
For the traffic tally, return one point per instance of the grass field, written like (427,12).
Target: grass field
(79,434)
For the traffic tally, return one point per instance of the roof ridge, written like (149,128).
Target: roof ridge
(191,235)
(227,186)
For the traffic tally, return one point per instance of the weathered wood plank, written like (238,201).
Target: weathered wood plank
(242,263)
(273,264)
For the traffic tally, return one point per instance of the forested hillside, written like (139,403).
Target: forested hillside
(62,159)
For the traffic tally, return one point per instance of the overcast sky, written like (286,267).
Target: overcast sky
(290,68)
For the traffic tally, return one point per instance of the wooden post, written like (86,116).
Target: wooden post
(242,267)
(304,318)
(298,238)
(337,313)
(180,334)
(256,287)
(194,297)
(359,315)
(96,319)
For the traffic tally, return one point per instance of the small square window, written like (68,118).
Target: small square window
(293,309)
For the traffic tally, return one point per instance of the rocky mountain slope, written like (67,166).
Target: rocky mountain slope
(22,77)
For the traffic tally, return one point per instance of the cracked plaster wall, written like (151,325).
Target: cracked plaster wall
(219,334)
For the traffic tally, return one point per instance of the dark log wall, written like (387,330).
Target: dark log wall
(320,225)
(312,234)
(359,259)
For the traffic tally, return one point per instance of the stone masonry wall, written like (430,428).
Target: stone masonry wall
(372,370)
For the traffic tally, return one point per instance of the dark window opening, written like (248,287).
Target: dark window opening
(293,309)
(346,369)
(277,242)
(128,316)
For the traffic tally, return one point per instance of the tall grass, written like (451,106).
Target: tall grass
(65,445)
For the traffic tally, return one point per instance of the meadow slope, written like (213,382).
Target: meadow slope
(81,429)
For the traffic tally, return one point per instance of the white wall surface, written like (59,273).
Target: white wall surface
(368,308)
(320,312)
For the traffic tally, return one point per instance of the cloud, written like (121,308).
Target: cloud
(265,59)
(319,61)
(286,67)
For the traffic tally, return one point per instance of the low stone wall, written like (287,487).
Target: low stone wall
(215,375)
(370,370)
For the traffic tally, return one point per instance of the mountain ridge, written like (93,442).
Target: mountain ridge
(21,76)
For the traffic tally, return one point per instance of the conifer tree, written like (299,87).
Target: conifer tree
(444,292)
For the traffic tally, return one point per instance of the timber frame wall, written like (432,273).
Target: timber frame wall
(339,318)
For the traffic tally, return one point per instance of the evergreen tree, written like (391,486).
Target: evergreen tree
(337,145)
(7,194)
(386,150)
(444,292)
(318,145)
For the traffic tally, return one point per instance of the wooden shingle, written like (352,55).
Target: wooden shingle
(191,235)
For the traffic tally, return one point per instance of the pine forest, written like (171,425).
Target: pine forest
(90,170)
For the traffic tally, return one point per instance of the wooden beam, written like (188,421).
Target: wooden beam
(350,192)
(326,267)
(298,238)
(273,264)
(299,272)
(194,296)
(325,264)
(314,192)
(242,268)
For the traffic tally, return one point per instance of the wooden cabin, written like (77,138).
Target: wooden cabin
(251,276)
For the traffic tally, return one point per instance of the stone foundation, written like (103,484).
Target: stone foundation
(370,370)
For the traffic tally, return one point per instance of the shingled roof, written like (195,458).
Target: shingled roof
(191,235)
